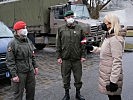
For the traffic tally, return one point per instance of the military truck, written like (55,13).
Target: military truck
(43,17)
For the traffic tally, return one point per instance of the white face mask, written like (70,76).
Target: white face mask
(23,32)
(70,20)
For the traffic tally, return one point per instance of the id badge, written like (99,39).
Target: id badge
(7,74)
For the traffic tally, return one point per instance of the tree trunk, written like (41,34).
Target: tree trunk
(94,13)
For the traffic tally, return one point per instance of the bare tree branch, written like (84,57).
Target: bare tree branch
(104,4)
(94,6)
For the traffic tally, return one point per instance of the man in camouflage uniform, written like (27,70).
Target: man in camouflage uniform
(21,62)
(71,52)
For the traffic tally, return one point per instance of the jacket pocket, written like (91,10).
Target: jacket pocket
(22,66)
(65,52)
(76,52)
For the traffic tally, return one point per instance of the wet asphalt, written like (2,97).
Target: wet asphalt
(49,81)
(90,82)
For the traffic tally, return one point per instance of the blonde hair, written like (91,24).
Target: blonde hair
(115,23)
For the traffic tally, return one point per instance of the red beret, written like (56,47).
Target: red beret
(19,25)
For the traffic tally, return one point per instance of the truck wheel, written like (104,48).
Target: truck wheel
(40,46)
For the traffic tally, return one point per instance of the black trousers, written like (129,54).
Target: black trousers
(114,97)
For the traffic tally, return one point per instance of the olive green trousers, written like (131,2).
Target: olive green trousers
(26,84)
(69,66)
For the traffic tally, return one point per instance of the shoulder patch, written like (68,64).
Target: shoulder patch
(9,49)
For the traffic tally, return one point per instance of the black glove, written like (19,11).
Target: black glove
(112,87)
(89,48)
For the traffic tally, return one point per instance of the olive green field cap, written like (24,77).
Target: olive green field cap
(68,13)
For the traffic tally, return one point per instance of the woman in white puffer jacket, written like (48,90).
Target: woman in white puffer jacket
(111,51)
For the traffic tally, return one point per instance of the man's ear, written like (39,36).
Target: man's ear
(65,18)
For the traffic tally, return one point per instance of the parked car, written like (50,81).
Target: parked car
(5,36)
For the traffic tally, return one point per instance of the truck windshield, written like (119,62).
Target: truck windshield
(5,31)
(80,11)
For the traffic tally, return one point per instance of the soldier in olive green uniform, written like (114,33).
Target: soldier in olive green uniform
(70,53)
(21,62)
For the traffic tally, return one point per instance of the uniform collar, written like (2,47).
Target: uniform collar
(20,39)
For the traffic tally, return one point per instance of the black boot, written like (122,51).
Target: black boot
(78,96)
(66,96)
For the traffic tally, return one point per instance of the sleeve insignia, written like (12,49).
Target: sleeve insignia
(9,49)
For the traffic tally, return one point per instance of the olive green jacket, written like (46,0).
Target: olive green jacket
(68,43)
(20,56)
